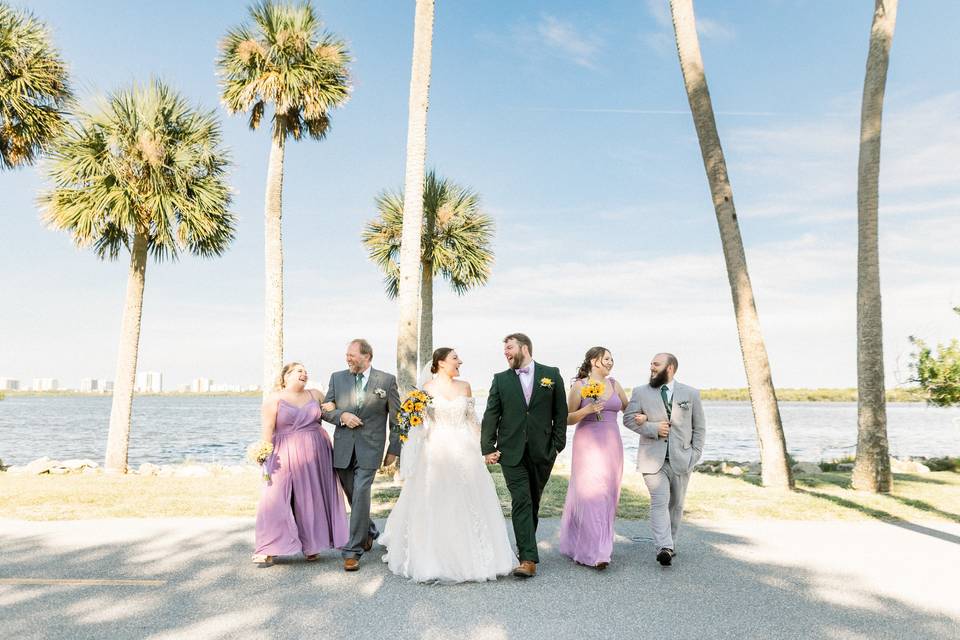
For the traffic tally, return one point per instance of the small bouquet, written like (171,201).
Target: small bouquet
(258,452)
(593,391)
(411,412)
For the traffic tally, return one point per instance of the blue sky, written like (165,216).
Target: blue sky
(570,120)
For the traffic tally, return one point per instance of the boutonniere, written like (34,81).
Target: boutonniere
(546,383)
(684,404)
(380,393)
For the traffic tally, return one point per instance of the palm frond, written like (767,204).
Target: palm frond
(144,160)
(285,60)
(34,89)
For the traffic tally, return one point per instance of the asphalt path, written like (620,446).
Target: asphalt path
(191,578)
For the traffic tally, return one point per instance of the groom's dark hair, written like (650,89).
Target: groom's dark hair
(521,339)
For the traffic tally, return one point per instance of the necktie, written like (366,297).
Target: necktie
(358,386)
(666,401)
(526,387)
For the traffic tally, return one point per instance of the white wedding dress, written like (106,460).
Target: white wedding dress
(447,525)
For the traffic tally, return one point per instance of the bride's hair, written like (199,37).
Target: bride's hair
(592,354)
(439,355)
(282,382)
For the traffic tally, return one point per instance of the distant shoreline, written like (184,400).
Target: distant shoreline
(912,394)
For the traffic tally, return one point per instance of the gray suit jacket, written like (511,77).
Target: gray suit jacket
(381,401)
(688,429)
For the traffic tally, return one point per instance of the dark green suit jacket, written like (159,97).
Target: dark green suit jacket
(509,425)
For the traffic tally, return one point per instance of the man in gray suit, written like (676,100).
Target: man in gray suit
(668,416)
(367,401)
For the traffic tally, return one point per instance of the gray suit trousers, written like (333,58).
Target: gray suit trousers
(356,483)
(668,490)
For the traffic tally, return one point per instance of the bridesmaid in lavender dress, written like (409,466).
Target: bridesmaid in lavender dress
(586,528)
(302,507)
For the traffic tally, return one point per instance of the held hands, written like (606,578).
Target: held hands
(328,406)
(350,421)
(492,458)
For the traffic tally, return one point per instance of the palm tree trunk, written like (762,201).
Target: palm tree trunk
(775,466)
(407,342)
(273,262)
(426,312)
(872,469)
(118,438)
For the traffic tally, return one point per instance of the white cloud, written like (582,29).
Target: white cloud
(564,38)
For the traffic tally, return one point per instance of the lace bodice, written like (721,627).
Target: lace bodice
(459,412)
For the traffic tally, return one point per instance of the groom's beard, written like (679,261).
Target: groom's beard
(516,361)
(659,379)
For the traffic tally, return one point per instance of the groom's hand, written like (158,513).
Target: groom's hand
(349,420)
(663,429)
(389,459)
(492,458)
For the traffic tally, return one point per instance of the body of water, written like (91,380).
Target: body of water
(170,429)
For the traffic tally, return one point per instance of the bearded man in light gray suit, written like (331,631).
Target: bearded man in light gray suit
(668,416)
(367,401)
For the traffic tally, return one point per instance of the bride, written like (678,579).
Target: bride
(447,525)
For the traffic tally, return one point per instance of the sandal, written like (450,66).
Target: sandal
(262,559)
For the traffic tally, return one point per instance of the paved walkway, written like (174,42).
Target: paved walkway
(190,578)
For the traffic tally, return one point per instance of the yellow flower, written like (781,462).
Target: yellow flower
(408,405)
(415,421)
(418,406)
(403,438)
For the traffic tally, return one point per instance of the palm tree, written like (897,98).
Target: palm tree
(455,245)
(408,277)
(283,60)
(871,472)
(34,90)
(775,466)
(146,173)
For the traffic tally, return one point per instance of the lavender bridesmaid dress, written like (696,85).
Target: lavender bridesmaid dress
(586,528)
(302,506)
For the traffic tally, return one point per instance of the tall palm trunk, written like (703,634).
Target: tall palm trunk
(407,339)
(273,261)
(872,469)
(776,470)
(118,438)
(426,312)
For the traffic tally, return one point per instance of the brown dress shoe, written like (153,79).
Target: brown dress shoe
(527,569)
(367,544)
(351,564)
(600,566)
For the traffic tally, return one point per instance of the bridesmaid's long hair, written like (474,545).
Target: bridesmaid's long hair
(281,383)
(592,354)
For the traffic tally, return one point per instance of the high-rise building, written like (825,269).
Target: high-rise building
(201,385)
(108,386)
(90,385)
(45,384)
(9,384)
(149,382)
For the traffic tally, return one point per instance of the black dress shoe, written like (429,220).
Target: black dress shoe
(665,557)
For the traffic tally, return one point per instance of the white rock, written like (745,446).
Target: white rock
(76,464)
(41,465)
(731,469)
(907,466)
(807,468)
(148,469)
(192,471)
(58,471)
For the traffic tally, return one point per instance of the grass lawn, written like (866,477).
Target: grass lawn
(930,496)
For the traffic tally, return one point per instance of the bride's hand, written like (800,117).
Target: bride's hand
(328,406)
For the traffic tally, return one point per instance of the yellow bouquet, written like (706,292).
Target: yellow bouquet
(411,413)
(258,452)
(593,391)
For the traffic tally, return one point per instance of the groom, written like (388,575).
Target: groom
(668,416)
(367,401)
(523,429)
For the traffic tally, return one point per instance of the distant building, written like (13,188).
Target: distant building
(108,386)
(9,384)
(201,385)
(45,384)
(90,385)
(149,382)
